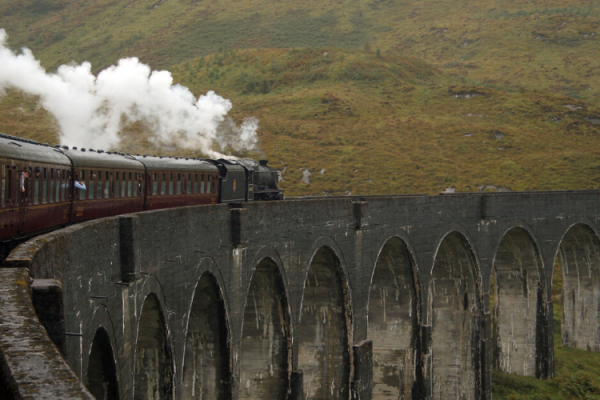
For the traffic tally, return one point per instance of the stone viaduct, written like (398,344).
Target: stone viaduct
(384,297)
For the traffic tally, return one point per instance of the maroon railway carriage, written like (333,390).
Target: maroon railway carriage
(35,191)
(114,184)
(175,182)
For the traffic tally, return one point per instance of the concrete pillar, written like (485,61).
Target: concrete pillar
(361,214)
(239,225)
(296,392)
(423,368)
(266,341)
(130,256)
(206,369)
(362,382)
(47,300)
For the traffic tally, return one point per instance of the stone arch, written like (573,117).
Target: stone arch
(518,303)
(207,360)
(324,332)
(106,341)
(393,314)
(454,309)
(579,260)
(272,253)
(153,376)
(101,378)
(265,351)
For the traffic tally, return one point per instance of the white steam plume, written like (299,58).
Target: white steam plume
(90,110)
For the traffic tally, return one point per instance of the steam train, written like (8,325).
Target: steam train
(46,187)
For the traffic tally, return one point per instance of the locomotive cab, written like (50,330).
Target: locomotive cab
(262,179)
(233,181)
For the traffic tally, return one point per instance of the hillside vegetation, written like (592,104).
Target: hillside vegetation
(376,96)
(367,122)
(541,44)
(364,96)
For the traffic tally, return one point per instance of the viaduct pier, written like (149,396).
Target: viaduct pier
(383,297)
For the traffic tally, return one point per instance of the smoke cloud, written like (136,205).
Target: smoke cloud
(91,110)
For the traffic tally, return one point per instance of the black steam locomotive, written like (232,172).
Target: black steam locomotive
(44,187)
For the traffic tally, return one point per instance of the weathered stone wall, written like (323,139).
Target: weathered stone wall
(31,367)
(276,299)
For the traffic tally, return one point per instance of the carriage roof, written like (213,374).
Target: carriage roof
(31,151)
(179,164)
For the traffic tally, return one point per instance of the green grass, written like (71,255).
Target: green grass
(394,124)
(577,375)
(386,123)
(546,44)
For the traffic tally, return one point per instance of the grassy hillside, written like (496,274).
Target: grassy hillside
(367,122)
(542,44)
(388,109)
(390,124)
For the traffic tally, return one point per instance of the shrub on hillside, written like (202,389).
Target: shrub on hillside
(580,385)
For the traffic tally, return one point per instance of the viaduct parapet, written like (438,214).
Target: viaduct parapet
(330,298)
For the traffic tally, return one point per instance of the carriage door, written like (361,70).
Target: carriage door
(8,216)
(24,193)
(148,189)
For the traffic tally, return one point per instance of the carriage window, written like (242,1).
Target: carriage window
(117,185)
(82,174)
(202,184)
(122,185)
(9,184)
(90,190)
(57,189)
(155,185)
(130,176)
(36,191)
(135,185)
(178,183)
(44,188)
(171,185)
(51,173)
(51,192)
(106,189)
(163,185)
(129,185)
(188,190)
(99,186)
(208,184)
(64,185)
(195,183)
